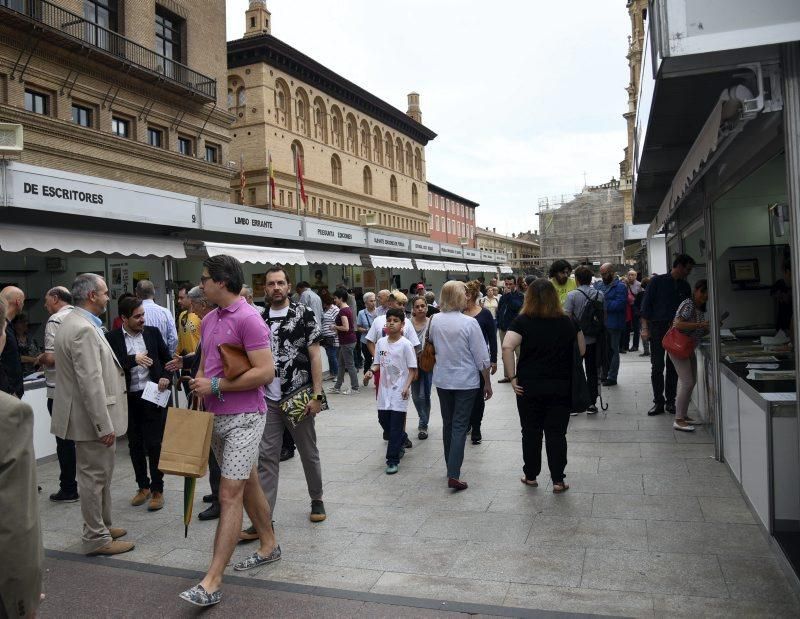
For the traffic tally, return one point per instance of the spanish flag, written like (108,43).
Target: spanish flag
(271,176)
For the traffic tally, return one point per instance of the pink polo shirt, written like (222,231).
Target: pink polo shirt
(241,324)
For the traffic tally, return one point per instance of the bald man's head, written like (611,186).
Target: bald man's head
(607,272)
(15,299)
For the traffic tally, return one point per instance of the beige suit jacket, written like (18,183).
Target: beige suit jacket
(90,397)
(20,532)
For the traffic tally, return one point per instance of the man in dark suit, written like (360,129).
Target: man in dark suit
(143,355)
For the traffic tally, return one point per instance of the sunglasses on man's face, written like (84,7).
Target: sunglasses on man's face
(204,278)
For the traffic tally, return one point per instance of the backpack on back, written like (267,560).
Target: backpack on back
(591,319)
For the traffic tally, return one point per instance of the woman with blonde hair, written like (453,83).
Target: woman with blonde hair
(461,356)
(542,381)
(489,331)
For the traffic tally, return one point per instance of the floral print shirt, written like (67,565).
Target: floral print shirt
(291,337)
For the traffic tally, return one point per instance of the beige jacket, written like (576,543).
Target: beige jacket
(20,532)
(90,397)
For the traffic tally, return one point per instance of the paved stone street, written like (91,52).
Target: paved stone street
(652,525)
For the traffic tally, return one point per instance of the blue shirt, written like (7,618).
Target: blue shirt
(160,318)
(507,309)
(663,296)
(95,320)
(615,300)
(461,352)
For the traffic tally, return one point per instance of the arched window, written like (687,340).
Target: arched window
(231,100)
(297,150)
(367,180)
(377,146)
(337,127)
(282,116)
(388,144)
(393,188)
(398,155)
(302,110)
(414,195)
(351,133)
(366,151)
(336,170)
(409,159)
(241,97)
(320,120)
(418,164)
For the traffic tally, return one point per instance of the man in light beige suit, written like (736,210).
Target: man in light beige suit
(91,409)
(20,531)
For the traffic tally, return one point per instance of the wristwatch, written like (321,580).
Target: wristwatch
(318,396)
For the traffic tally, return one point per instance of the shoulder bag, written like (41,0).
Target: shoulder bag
(427,358)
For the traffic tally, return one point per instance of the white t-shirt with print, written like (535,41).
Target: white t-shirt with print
(394,360)
(376,330)
(274,321)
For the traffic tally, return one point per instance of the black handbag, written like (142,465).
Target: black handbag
(580,386)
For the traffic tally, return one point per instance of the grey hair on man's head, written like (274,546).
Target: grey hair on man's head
(196,295)
(246,291)
(145,289)
(61,293)
(430,297)
(83,286)
(368,296)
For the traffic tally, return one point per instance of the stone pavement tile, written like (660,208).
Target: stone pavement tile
(653,572)
(373,610)
(441,587)
(641,465)
(532,501)
(606,483)
(678,606)
(583,436)
(588,533)
(62,516)
(620,450)
(60,540)
(681,450)
(187,558)
(407,476)
(363,519)
(346,456)
(636,436)
(551,565)
(707,538)
(574,600)
(708,467)
(603,422)
(476,526)
(690,485)
(359,493)
(726,509)
(306,545)
(646,507)
(439,497)
(698,436)
(756,578)
(400,554)
(317,573)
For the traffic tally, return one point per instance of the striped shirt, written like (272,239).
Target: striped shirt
(160,318)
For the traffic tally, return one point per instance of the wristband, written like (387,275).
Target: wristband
(215,388)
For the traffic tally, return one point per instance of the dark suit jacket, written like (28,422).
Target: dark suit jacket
(156,350)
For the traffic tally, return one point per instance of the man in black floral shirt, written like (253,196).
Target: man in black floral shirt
(296,350)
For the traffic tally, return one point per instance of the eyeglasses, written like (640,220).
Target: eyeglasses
(204,278)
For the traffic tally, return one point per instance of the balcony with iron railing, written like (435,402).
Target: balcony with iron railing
(70,29)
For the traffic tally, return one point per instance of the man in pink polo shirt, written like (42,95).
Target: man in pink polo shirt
(239,408)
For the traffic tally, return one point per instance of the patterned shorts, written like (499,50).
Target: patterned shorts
(235,442)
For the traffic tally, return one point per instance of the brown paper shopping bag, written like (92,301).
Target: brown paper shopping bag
(187,439)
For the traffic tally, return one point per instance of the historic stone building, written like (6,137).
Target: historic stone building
(521,251)
(130,90)
(363,160)
(637,9)
(452,217)
(585,228)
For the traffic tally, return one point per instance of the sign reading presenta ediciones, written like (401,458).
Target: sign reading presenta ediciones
(318,231)
(45,189)
(387,241)
(452,250)
(222,217)
(424,247)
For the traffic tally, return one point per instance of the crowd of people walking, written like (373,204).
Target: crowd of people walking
(560,340)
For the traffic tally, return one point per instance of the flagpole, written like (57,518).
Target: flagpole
(296,179)
(269,180)
(242,181)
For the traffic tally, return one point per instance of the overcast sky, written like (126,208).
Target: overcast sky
(525,95)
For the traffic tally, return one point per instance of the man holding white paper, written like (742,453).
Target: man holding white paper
(143,355)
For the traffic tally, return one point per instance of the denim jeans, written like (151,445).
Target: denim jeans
(421,394)
(394,423)
(346,364)
(478,407)
(332,352)
(613,353)
(65,449)
(456,407)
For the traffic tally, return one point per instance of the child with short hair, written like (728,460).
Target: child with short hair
(397,361)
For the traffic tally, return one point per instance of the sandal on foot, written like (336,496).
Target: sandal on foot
(529,482)
(560,487)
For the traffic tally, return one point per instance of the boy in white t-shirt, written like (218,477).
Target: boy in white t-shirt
(397,361)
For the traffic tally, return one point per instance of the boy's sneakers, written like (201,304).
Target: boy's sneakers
(334,390)
(391,469)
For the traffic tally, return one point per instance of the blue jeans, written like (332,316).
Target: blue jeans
(394,423)
(332,352)
(421,394)
(456,407)
(614,336)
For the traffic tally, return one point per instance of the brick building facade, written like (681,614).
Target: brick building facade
(452,217)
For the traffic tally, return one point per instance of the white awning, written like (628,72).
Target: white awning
(314,256)
(257,254)
(456,266)
(504,268)
(430,265)
(391,262)
(482,268)
(44,240)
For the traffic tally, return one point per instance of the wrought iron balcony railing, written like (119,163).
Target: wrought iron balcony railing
(86,33)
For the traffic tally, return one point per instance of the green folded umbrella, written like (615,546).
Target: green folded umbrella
(189,484)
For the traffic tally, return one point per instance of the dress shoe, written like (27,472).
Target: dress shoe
(208,498)
(212,513)
(287,454)
(156,502)
(117,532)
(456,484)
(64,497)
(608,383)
(645,354)
(113,548)
(670,408)
(658,409)
(140,498)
